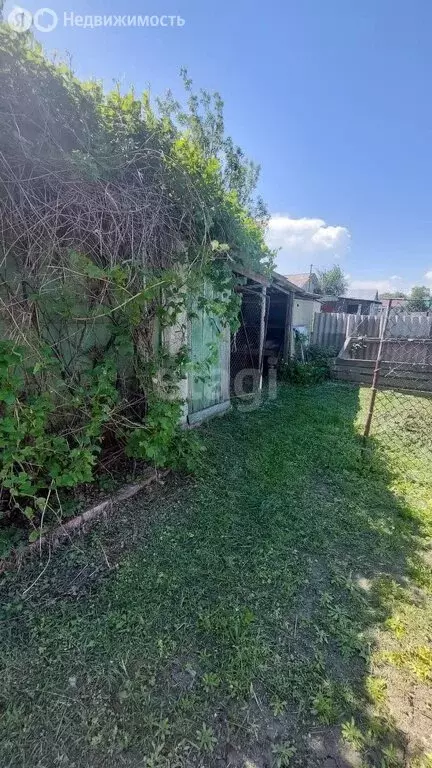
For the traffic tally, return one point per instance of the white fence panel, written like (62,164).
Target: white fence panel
(331,329)
(410,326)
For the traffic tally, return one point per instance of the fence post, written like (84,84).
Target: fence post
(288,326)
(376,373)
(262,334)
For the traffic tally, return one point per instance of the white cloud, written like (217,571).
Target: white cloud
(367,288)
(306,237)
(382,286)
(428,275)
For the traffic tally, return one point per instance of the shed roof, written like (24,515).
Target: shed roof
(328,299)
(284,281)
(277,281)
(301,279)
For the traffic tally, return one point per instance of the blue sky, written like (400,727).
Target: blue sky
(332,97)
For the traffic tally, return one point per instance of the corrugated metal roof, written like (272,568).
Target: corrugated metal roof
(301,279)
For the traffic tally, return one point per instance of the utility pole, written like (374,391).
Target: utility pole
(310,279)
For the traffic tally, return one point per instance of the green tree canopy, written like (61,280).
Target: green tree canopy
(333,281)
(419,299)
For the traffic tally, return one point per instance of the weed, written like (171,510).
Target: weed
(352,734)
(278,706)
(420,572)
(282,754)
(416,660)
(376,688)
(210,681)
(390,757)
(206,739)
(425,761)
(396,625)
(324,706)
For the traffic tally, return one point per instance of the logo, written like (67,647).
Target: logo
(19,19)
(44,20)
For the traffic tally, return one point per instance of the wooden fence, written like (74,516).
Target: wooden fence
(418,351)
(414,378)
(331,329)
(406,363)
(412,326)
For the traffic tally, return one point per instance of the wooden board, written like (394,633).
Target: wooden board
(211,386)
(393,379)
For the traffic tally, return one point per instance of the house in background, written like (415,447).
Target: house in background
(307,302)
(305,306)
(399,302)
(307,281)
(350,305)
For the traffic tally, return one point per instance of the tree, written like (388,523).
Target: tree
(333,282)
(203,120)
(419,299)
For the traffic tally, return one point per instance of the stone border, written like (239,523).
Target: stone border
(75,524)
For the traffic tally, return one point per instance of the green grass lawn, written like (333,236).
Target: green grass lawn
(275,610)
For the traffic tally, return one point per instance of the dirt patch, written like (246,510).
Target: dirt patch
(320,748)
(325,748)
(411,706)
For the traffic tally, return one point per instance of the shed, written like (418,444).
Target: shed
(271,306)
(350,305)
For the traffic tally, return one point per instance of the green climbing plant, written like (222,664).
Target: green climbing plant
(34,456)
(154,207)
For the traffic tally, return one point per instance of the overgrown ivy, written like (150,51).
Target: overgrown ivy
(117,214)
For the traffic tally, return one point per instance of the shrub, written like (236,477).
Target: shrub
(161,440)
(35,456)
(315,368)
